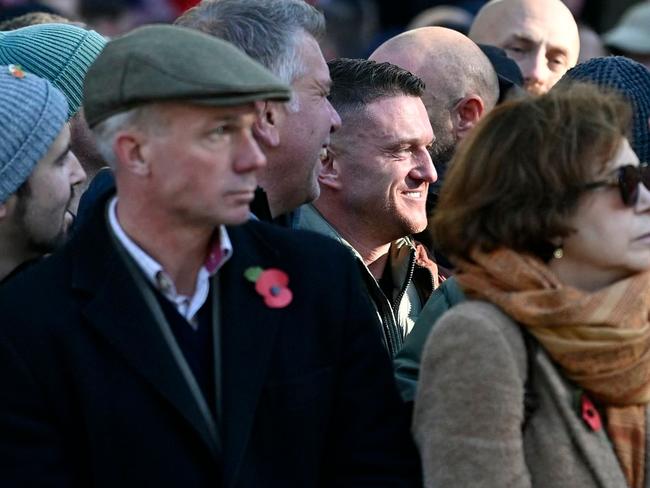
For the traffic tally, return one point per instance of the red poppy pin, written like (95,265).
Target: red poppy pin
(590,414)
(16,70)
(271,284)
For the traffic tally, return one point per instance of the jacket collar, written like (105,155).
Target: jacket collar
(599,456)
(400,250)
(113,304)
(262,211)
(113,307)
(311,219)
(248,331)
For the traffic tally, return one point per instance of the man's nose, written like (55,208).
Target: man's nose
(424,170)
(250,156)
(335,119)
(77,173)
(535,69)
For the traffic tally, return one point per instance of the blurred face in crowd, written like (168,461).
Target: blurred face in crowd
(43,205)
(304,132)
(540,35)
(384,167)
(611,240)
(203,163)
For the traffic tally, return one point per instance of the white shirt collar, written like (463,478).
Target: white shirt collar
(158,277)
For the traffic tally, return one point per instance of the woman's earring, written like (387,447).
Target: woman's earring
(558,253)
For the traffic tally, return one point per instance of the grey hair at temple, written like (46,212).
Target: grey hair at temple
(268,31)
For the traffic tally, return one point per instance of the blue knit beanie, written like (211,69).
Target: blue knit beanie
(629,78)
(32,114)
(60,53)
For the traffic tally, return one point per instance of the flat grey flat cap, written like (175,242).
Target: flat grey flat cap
(165,63)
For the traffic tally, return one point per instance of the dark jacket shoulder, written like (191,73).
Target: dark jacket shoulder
(407,361)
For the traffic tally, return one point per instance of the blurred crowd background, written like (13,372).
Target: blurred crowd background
(355,27)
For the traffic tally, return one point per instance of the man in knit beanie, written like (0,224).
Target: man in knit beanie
(37,169)
(630,79)
(62,54)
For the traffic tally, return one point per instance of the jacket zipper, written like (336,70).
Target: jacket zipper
(407,282)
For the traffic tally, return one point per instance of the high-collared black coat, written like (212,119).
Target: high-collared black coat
(90,394)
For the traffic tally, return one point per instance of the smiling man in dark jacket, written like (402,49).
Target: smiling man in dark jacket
(374,187)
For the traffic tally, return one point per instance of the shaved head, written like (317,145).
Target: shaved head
(449,63)
(540,35)
(453,67)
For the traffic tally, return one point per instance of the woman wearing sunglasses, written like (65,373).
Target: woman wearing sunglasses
(542,378)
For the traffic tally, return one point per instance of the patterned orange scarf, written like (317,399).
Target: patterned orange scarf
(600,340)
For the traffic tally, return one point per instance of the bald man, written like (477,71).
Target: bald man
(540,35)
(461,84)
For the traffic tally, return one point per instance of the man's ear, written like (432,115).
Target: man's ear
(265,128)
(330,174)
(131,151)
(467,113)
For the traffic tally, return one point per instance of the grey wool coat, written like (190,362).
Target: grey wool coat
(470,422)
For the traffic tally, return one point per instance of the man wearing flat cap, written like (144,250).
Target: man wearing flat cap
(168,345)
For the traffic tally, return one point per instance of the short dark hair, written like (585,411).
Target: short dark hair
(518,177)
(359,82)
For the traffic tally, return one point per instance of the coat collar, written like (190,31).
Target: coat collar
(599,456)
(248,331)
(113,308)
(401,250)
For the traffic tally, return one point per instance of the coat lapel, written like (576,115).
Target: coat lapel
(248,328)
(116,310)
(594,446)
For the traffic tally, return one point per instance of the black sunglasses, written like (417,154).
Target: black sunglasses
(627,178)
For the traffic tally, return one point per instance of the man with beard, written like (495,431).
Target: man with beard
(60,53)
(540,35)
(374,188)
(38,171)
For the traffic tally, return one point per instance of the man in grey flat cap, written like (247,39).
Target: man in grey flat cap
(167,345)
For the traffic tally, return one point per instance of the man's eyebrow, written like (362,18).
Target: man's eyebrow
(521,37)
(229,118)
(63,154)
(558,50)
(391,144)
